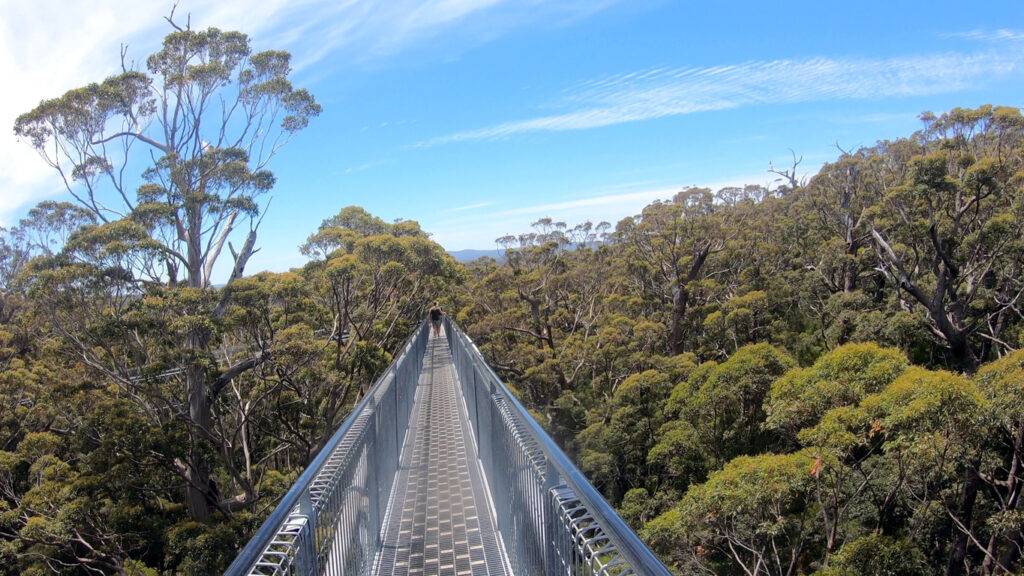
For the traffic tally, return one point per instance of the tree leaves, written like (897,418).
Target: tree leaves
(889,278)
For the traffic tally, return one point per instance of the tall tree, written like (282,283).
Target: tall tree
(840,199)
(208,114)
(669,246)
(949,234)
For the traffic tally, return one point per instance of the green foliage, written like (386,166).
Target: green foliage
(136,568)
(878,555)
(196,548)
(922,401)
(885,277)
(1002,384)
(725,403)
(756,512)
(664,536)
(840,378)
(614,451)
(638,507)
(785,381)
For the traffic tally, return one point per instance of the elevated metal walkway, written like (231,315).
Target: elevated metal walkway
(439,520)
(440,470)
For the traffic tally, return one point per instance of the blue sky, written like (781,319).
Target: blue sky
(477,117)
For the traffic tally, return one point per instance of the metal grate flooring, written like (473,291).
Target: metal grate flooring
(439,519)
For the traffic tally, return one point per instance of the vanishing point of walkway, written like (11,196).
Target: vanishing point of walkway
(439,518)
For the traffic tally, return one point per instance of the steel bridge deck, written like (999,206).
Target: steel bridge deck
(439,517)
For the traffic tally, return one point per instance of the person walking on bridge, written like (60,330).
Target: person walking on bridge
(435,317)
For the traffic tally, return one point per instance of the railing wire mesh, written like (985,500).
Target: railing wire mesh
(551,520)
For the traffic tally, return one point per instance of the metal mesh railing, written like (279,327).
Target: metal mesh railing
(330,521)
(551,519)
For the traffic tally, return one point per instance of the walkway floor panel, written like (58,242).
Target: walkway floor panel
(439,517)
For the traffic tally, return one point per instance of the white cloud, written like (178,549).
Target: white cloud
(480,230)
(46,48)
(366,30)
(439,12)
(50,46)
(662,92)
(597,204)
(1000,35)
(468,207)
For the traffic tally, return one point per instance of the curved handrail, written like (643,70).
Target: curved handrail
(550,518)
(298,497)
(639,557)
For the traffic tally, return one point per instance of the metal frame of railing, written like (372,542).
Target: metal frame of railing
(551,519)
(330,521)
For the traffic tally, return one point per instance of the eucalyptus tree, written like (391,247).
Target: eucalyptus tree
(948,232)
(840,200)
(1001,384)
(373,280)
(200,123)
(843,469)
(14,255)
(754,516)
(670,248)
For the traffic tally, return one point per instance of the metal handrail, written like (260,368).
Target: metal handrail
(294,539)
(550,519)
(544,473)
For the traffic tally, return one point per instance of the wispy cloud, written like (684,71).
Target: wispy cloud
(657,93)
(50,46)
(367,30)
(468,207)
(574,206)
(1000,35)
(479,230)
(46,48)
(360,168)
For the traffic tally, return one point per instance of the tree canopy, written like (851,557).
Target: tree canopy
(821,378)
(787,381)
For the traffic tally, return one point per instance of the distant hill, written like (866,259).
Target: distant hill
(499,255)
(470,255)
